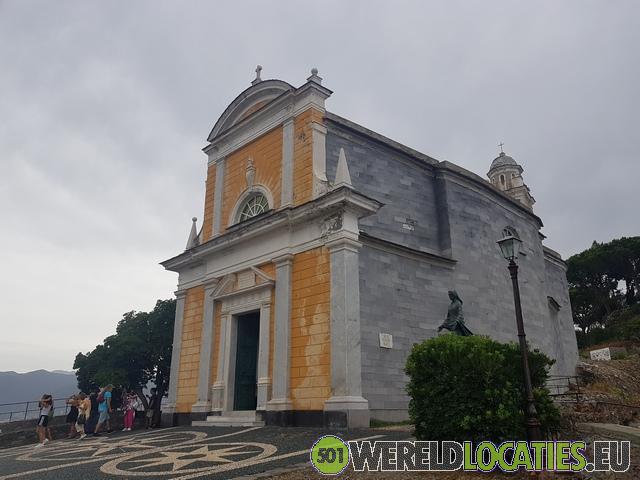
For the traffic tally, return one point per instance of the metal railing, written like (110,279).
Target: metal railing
(11,412)
(564,388)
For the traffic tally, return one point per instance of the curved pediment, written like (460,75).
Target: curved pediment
(252,99)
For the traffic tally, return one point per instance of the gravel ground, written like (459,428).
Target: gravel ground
(224,453)
(172,453)
(308,472)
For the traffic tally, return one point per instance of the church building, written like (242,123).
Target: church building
(326,251)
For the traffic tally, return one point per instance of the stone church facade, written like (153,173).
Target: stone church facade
(326,251)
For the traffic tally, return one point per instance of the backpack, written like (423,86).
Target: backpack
(101,397)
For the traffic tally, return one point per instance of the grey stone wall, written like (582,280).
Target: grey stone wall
(405,187)
(561,320)
(405,294)
(482,279)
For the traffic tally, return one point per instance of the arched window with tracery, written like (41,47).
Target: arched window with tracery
(253,206)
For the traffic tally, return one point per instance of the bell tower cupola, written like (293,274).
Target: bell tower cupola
(506,175)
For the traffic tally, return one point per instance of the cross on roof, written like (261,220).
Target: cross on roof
(257,79)
(501,145)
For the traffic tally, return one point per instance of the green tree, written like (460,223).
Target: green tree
(594,277)
(623,263)
(138,353)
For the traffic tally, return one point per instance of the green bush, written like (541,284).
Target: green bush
(471,388)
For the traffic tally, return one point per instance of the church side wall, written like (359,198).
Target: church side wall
(561,320)
(404,186)
(481,277)
(406,297)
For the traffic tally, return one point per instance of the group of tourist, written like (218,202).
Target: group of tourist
(88,414)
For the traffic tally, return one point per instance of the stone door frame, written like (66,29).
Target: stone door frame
(234,304)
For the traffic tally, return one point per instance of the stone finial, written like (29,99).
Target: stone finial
(257,79)
(314,77)
(250,173)
(193,235)
(343,177)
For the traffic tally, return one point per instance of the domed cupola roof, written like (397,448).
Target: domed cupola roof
(503,160)
(506,175)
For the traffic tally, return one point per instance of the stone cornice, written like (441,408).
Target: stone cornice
(242,291)
(553,257)
(265,90)
(340,199)
(283,260)
(343,241)
(274,114)
(462,176)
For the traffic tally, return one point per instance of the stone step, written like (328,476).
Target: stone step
(227,422)
(241,418)
(237,413)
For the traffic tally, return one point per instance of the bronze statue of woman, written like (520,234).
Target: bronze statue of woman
(455,318)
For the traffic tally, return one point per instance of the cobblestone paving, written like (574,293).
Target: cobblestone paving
(173,453)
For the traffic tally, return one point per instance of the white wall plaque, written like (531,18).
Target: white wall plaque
(386,340)
(601,354)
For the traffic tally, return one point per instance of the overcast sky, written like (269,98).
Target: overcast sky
(104,107)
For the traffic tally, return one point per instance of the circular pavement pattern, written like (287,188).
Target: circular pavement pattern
(105,447)
(178,453)
(190,458)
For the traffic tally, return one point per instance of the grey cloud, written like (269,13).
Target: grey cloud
(105,105)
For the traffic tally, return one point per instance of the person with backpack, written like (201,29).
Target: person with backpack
(104,409)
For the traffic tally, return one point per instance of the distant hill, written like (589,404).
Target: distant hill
(21,387)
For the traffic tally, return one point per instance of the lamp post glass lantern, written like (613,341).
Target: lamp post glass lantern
(510,247)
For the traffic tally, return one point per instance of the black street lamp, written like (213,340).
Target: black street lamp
(510,245)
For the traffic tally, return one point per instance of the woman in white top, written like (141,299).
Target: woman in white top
(45,404)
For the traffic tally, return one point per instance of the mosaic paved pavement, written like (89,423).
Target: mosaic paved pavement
(172,453)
